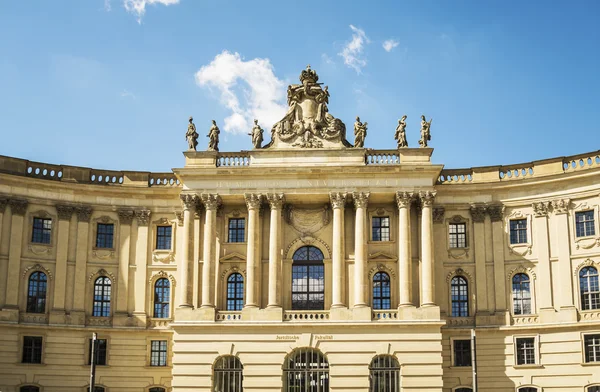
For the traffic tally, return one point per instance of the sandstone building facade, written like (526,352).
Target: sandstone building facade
(306,265)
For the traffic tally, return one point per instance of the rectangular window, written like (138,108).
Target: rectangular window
(584,224)
(381,228)
(32,349)
(462,352)
(104,235)
(158,353)
(458,235)
(163,237)
(525,351)
(100,351)
(591,345)
(518,231)
(236,229)
(42,229)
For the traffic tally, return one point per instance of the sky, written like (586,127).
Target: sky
(110,84)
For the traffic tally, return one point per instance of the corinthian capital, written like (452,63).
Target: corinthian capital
(64,212)
(275,200)
(403,199)
(3,203)
(18,206)
(361,199)
(496,212)
(84,214)
(427,198)
(478,213)
(253,200)
(210,201)
(540,208)
(438,214)
(561,206)
(338,199)
(142,216)
(125,216)
(188,201)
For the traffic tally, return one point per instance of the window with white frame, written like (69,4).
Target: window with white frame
(158,353)
(102,294)
(589,288)
(459,294)
(521,293)
(584,223)
(525,350)
(457,235)
(518,231)
(591,348)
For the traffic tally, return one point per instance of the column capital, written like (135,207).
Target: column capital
(338,199)
(18,206)
(253,200)
(403,199)
(179,216)
(477,213)
(495,211)
(64,211)
(84,213)
(540,209)
(276,200)
(361,199)
(438,214)
(188,200)
(560,206)
(211,201)
(427,198)
(142,217)
(125,216)
(3,203)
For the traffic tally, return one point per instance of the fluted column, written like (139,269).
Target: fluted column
(189,205)
(275,258)
(338,201)
(253,202)
(361,201)
(211,203)
(141,260)
(403,200)
(83,225)
(18,209)
(427,198)
(62,247)
(125,220)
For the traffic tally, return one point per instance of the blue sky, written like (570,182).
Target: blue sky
(111,84)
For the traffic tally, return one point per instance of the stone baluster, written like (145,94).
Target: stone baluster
(361,201)
(125,220)
(338,202)
(427,198)
(189,202)
(404,200)
(275,258)
(211,203)
(253,203)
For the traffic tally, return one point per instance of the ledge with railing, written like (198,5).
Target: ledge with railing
(306,315)
(223,315)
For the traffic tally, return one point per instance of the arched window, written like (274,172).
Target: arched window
(29,388)
(527,389)
(384,374)
(460,297)
(521,292)
(227,374)
(588,286)
(36,293)
(463,390)
(308,279)
(306,370)
(157,389)
(235,292)
(102,291)
(381,291)
(162,297)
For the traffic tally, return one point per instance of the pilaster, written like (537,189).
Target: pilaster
(84,214)
(478,217)
(560,208)
(18,208)
(141,257)
(189,202)
(4,231)
(496,213)
(125,220)
(427,285)
(62,248)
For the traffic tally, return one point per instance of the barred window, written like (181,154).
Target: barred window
(527,389)
(584,224)
(381,291)
(525,351)
(42,230)
(381,228)
(595,388)
(457,233)
(235,292)
(308,279)
(460,297)
(32,349)
(102,292)
(521,292)
(384,374)
(304,370)
(518,231)
(158,353)
(237,228)
(97,388)
(29,388)
(36,293)
(104,235)
(162,298)
(163,237)
(99,351)
(591,344)
(228,374)
(462,352)
(589,288)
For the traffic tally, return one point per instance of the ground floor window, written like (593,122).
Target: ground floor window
(227,374)
(384,374)
(306,370)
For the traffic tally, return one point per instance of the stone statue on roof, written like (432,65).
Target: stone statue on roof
(191,136)
(257,135)
(360,133)
(400,134)
(425,131)
(213,136)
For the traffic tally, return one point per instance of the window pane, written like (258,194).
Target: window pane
(462,352)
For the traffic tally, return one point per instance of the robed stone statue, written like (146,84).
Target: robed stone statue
(257,135)
(213,137)
(425,131)
(360,133)
(400,134)
(191,136)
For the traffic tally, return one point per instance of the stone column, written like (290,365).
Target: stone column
(125,219)
(361,201)
(18,208)
(496,213)
(3,266)
(141,260)
(211,203)
(62,248)
(189,206)
(275,257)
(403,200)
(478,216)
(338,202)
(81,254)
(427,198)
(560,208)
(253,202)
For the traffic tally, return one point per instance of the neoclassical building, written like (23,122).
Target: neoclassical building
(307,264)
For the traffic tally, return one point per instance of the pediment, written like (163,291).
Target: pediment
(233,256)
(382,256)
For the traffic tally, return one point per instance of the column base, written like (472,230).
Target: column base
(426,312)
(341,313)
(124,320)
(567,314)
(77,317)
(9,314)
(406,312)
(362,313)
(140,318)
(547,315)
(58,316)
(251,313)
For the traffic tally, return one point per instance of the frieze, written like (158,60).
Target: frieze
(301,183)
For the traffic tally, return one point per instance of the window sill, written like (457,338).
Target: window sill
(373,242)
(529,366)
(158,367)
(590,363)
(236,243)
(31,364)
(469,368)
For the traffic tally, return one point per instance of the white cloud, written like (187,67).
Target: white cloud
(326,59)
(249,89)
(127,94)
(107,6)
(138,7)
(353,50)
(390,44)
